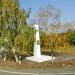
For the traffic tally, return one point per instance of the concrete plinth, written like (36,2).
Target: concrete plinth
(42,58)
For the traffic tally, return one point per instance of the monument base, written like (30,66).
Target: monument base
(42,58)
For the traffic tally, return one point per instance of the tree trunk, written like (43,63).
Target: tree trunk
(16,57)
(4,57)
(19,59)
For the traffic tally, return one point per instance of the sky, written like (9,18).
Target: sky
(66,7)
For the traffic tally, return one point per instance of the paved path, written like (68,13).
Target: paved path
(6,72)
(2,72)
(54,71)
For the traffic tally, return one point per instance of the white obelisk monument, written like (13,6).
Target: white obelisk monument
(37,52)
